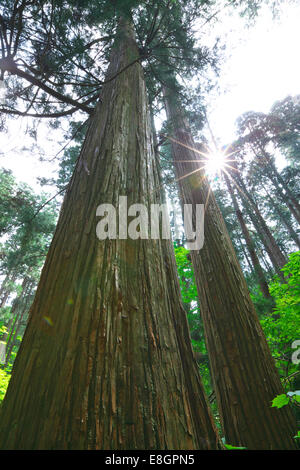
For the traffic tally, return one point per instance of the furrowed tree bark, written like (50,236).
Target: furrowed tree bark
(106,361)
(250,245)
(244,375)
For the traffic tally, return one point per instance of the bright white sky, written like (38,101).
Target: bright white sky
(263,67)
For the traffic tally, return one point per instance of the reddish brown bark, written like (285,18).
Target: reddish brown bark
(244,375)
(106,361)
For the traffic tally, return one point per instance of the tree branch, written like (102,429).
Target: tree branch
(44,115)
(10,66)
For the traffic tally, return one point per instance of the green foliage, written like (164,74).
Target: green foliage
(27,223)
(4,381)
(3,329)
(285,398)
(186,274)
(165,38)
(288,295)
(282,328)
(13,201)
(262,305)
(294,396)
(68,46)
(280,401)
(229,447)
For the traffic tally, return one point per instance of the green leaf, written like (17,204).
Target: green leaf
(280,401)
(229,447)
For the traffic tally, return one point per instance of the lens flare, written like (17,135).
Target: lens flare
(215,163)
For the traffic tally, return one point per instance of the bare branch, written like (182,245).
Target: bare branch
(10,66)
(44,115)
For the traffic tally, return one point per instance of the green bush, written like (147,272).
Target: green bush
(4,381)
(282,327)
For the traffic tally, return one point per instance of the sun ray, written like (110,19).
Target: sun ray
(193,149)
(216,163)
(189,174)
(233,168)
(238,187)
(207,199)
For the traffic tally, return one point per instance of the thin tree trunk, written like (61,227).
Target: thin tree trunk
(287,198)
(106,361)
(4,298)
(266,262)
(250,245)
(3,289)
(251,267)
(272,173)
(14,312)
(275,254)
(6,288)
(243,371)
(294,236)
(13,338)
(20,307)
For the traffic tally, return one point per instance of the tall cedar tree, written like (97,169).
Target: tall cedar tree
(244,375)
(106,360)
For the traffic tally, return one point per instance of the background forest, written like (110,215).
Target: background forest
(55,57)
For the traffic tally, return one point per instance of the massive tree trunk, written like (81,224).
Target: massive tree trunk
(243,371)
(250,245)
(106,361)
